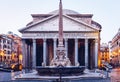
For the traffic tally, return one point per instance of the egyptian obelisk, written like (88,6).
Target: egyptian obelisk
(60,59)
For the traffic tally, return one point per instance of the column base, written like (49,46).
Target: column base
(86,70)
(43,64)
(77,64)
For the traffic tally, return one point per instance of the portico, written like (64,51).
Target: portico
(82,50)
(81,39)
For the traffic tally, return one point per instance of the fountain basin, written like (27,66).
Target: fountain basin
(64,71)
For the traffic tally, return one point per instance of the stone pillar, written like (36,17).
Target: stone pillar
(66,46)
(96,53)
(29,57)
(86,53)
(76,51)
(34,54)
(44,52)
(55,44)
(24,53)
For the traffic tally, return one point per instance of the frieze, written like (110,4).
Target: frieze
(55,35)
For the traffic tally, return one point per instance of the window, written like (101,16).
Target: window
(4,46)
(9,52)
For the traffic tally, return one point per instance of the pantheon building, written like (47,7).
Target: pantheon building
(81,39)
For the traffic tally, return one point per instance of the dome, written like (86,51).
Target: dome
(65,11)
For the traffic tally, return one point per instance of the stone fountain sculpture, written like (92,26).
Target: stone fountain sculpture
(61,59)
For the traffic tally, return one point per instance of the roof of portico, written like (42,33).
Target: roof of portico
(72,15)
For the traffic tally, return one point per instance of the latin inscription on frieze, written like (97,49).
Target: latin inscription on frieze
(65,35)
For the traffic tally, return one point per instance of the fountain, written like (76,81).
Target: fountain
(60,65)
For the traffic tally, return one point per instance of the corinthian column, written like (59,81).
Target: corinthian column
(76,51)
(86,53)
(55,40)
(44,52)
(34,54)
(24,53)
(66,46)
(96,53)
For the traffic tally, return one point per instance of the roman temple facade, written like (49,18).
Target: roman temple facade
(81,37)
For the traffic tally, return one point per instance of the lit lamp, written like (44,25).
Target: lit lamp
(20,62)
(2,54)
(20,58)
(119,56)
(99,60)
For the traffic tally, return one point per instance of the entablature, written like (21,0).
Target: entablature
(65,35)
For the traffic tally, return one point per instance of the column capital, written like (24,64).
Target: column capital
(34,40)
(96,40)
(55,39)
(44,39)
(76,39)
(66,39)
(86,40)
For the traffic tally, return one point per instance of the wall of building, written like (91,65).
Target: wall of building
(10,49)
(115,49)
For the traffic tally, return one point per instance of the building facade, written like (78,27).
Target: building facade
(104,54)
(9,53)
(115,49)
(81,39)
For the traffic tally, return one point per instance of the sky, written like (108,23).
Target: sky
(15,14)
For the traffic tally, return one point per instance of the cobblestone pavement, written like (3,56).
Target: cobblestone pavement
(75,80)
(6,77)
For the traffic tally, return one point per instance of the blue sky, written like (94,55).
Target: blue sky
(15,14)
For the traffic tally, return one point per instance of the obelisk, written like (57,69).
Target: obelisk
(60,59)
(60,39)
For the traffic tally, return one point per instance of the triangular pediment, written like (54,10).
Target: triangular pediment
(52,24)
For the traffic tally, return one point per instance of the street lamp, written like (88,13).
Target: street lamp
(20,58)
(2,54)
